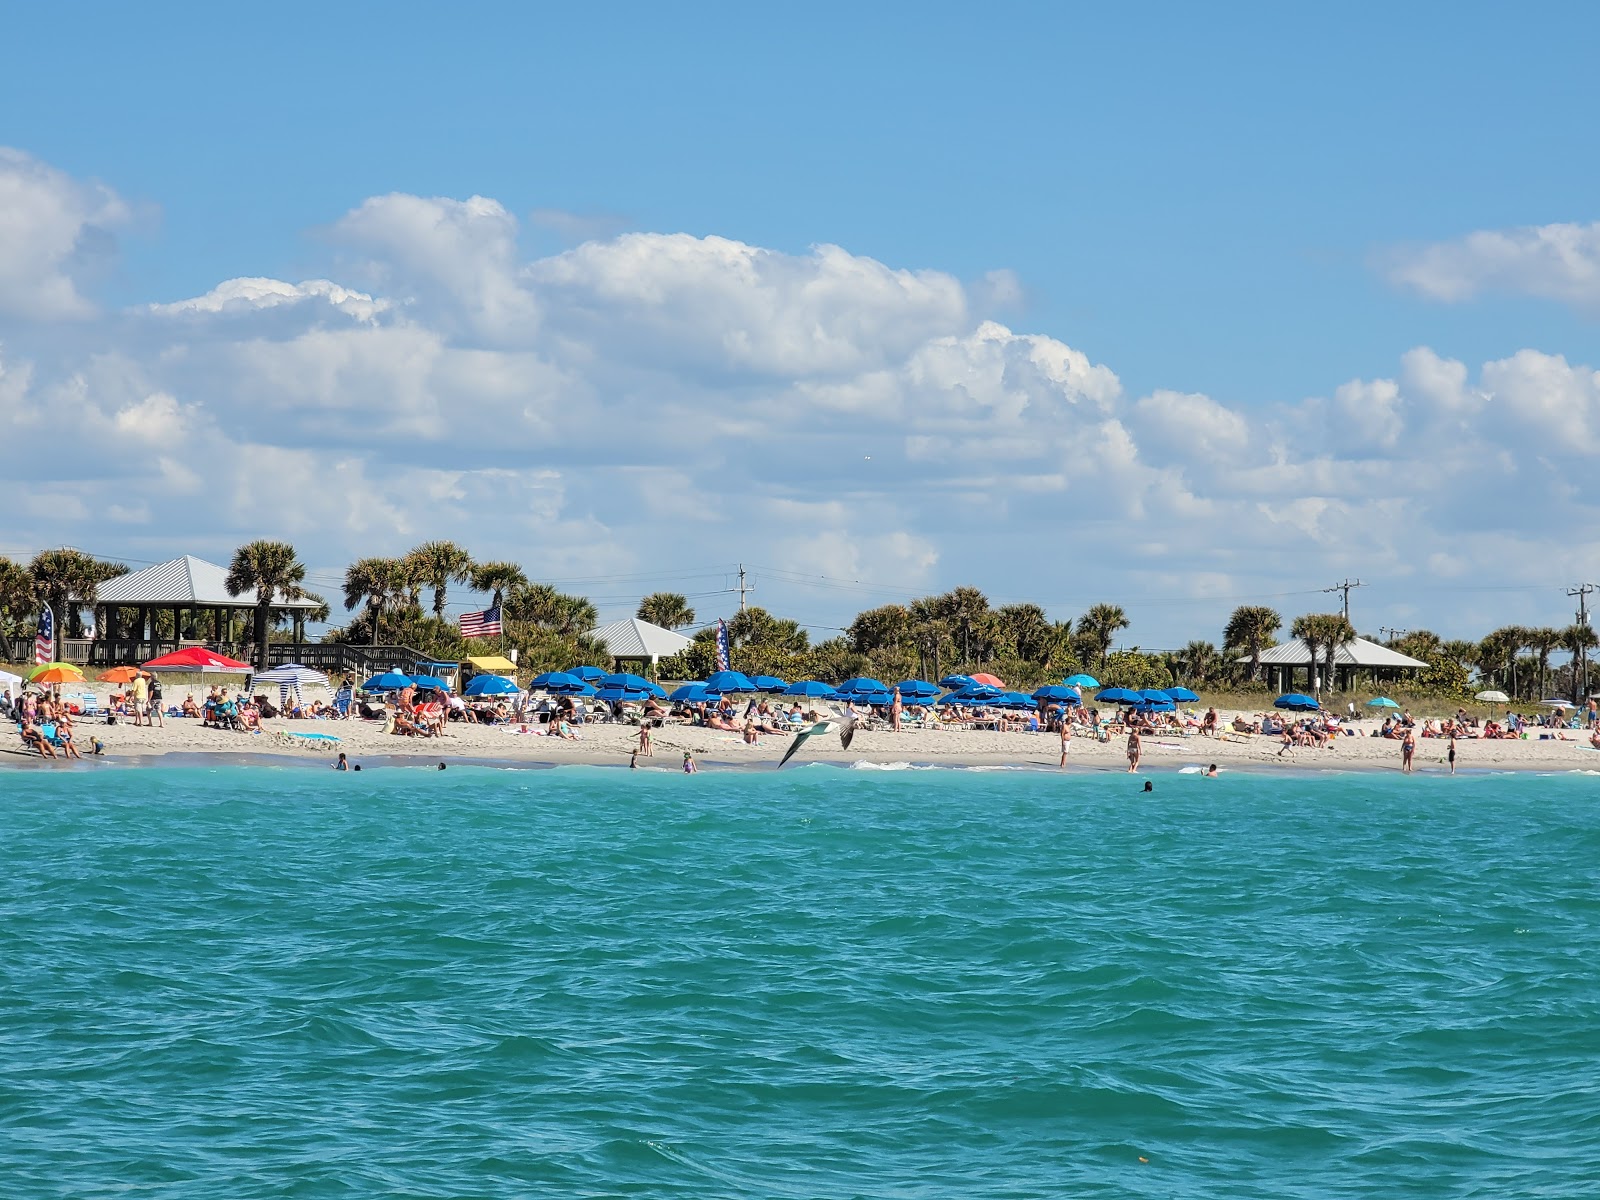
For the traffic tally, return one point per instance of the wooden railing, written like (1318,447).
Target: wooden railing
(328,657)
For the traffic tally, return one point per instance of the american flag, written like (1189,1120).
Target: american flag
(481,624)
(44,646)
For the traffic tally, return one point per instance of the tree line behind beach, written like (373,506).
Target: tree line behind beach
(403,601)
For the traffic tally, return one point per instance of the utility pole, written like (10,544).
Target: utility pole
(1582,592)
(1345,587)
(742,588)
(1394,634)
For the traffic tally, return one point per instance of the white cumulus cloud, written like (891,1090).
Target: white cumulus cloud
(1555,262)
(647,403)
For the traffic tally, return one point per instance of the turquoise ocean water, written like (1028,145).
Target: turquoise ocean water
(280,982)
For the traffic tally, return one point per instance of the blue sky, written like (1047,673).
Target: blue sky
(1206,203)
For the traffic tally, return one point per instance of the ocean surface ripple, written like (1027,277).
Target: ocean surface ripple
(264,982)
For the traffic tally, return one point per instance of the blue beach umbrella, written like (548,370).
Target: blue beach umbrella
(1058,691)
(1382,702)
(490,685)
(728,682)
(813,688)
(389,681)
(768,683)
(587,674)
(872,698)
(575,689)
(1016,700)
(955,682)
(1150,706)
(861,684)
(1181,694)
(1154,695)
(917,689)
(694,693)
(1117,695)
(430,681)
(625,695)
(1296,701)
(1081,681)
(632,683)
(553,679)
(977,693)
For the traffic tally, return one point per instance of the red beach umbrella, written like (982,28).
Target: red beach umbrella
(198,658)
(991,680)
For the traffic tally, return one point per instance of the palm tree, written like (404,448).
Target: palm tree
(1200,661)
(380,583)
(1499,651)
(437,565)
(755,626)
(1542,641)
(1579,639)
(1325,632)
(497,578)
(16,595)
(67,579)
(1251,629)
(965,608)
(1099,625)
(1308,630)
(670,610)
(274,573)
(1028,628)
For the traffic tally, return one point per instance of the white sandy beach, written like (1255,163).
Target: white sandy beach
(611,744)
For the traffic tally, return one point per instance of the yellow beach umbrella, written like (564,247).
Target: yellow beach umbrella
(56,672)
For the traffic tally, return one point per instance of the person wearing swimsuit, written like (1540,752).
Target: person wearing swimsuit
(1066,740)
(1133,751)
(1452,753)
(1408,751)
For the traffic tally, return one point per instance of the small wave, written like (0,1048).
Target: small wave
(891,766)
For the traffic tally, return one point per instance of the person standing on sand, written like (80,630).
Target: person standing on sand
(895,707)
(1408,751)
(1066,741)
(141,698)
(1134,749)
(644,742)
(1452,752)
(154,717)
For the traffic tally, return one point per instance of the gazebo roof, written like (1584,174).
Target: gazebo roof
(183,582)
(1357,652)
(634,638)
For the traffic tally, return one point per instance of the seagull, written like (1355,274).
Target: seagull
(842,724)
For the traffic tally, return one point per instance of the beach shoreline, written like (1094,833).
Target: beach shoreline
(188,743)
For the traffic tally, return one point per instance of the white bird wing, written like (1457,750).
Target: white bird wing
(799,740)
(847,731)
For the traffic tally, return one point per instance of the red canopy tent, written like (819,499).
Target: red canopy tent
(198,658)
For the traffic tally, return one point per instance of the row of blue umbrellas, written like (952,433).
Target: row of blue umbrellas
(480,685)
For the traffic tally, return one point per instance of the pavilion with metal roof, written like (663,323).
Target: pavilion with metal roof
(1356,657)
(634,640)
(195,592)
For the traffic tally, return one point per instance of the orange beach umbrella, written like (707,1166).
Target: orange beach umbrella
(56,672)
(122,675)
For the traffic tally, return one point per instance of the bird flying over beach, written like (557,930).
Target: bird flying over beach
(844,724)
